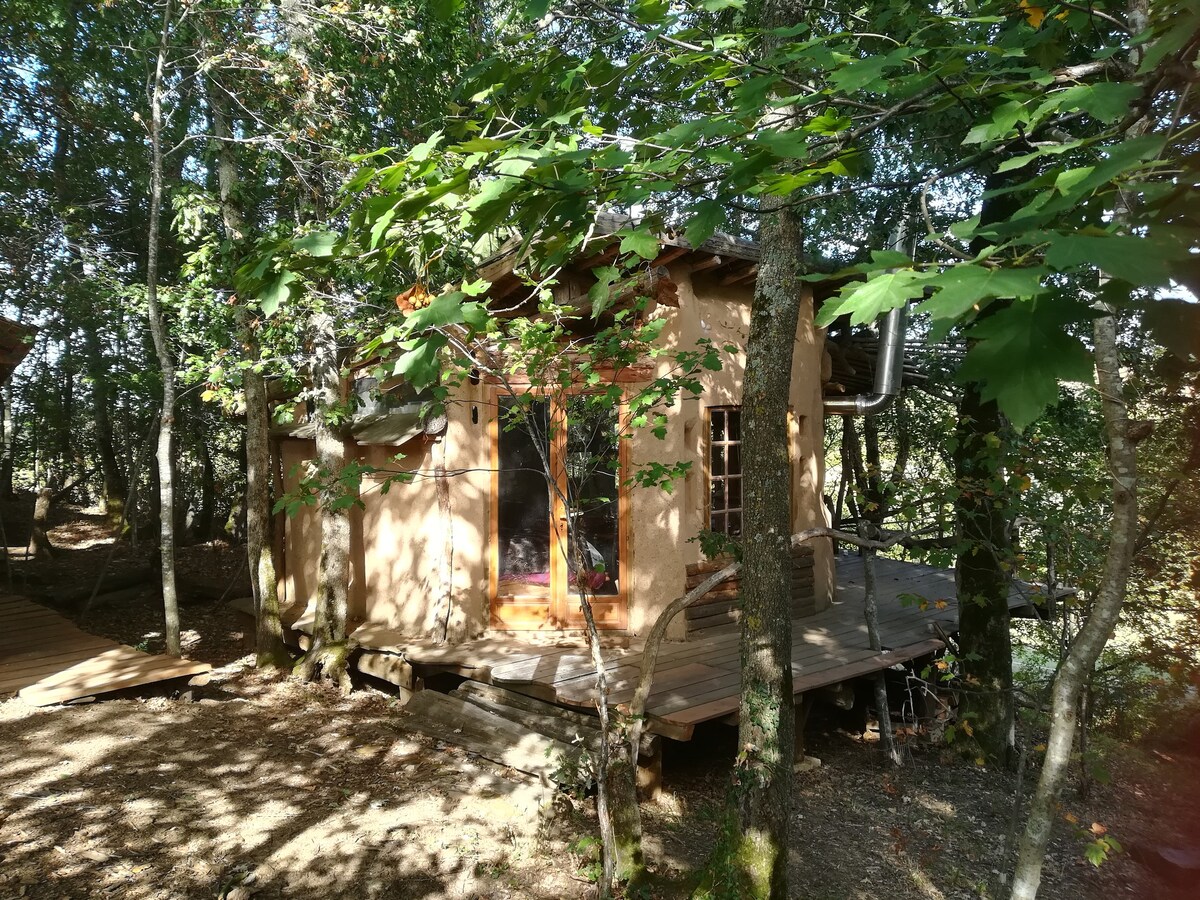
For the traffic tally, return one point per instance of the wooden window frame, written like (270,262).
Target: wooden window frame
(794,424)
(535,612)
(709,447)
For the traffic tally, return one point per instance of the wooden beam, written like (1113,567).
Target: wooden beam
(670,254)
(712,262)
(739,276)
(600,258)
(454,721)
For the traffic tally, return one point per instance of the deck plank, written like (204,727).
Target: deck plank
(48,659)
(700,680)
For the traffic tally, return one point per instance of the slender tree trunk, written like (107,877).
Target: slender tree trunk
(76,310)
(327,657)
(162,347)
(271,651)
(208,484)
(756,841)
(10,444)
(1087,646)
(871,614)
(1085,649)
(270,647)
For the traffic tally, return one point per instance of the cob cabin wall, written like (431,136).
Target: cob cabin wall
(663,524)
(420,554)
(407,540)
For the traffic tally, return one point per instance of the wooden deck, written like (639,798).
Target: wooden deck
(699,680)
(46,659)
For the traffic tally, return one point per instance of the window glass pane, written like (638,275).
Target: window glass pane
(735,459)
(718,462)
(716,497)
(735,425)
(735,524)
(717,424)
(523,502)
(717,523)
(593,489)
(734,492)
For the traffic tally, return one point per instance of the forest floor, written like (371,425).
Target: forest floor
(263,787)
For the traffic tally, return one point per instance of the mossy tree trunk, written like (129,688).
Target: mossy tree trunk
(983,571)
(327,656)
(983,579)
(751,861)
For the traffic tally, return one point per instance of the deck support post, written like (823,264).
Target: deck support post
(649,776)
(804,705)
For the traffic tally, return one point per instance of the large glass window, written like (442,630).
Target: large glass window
(536,520)
(523,515)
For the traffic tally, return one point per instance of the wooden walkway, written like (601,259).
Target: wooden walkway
(699,680)
(46,659)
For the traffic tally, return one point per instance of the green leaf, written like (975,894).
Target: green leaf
(867,73)
(600,293)
(706,219)
(1176,325)
(651,12)
(319,243)
(1107,101)
(480,145)
(275,293)
(445,10)
(1138,260)
(965,287)
(866,300)
(419,364)
(1004,118)
(642,242)
(444,310)
(1021,353)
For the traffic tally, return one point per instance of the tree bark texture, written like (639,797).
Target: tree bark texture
(982,571)
(757,851)
(327,657)
(39,544)
(982,581)
(158,331)
(1087,646)
(1080,662)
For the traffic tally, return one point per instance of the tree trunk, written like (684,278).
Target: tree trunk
(755,846)
(1080,661)
(271,651)
(982,570)
(327,657)
(39,543)
(1087,646)
(270,648)
(165,454)
(982,580)
(10,444)
(208,485)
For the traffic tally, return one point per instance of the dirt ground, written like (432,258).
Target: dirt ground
(261,787)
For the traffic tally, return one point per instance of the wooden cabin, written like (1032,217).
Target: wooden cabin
(473,545)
